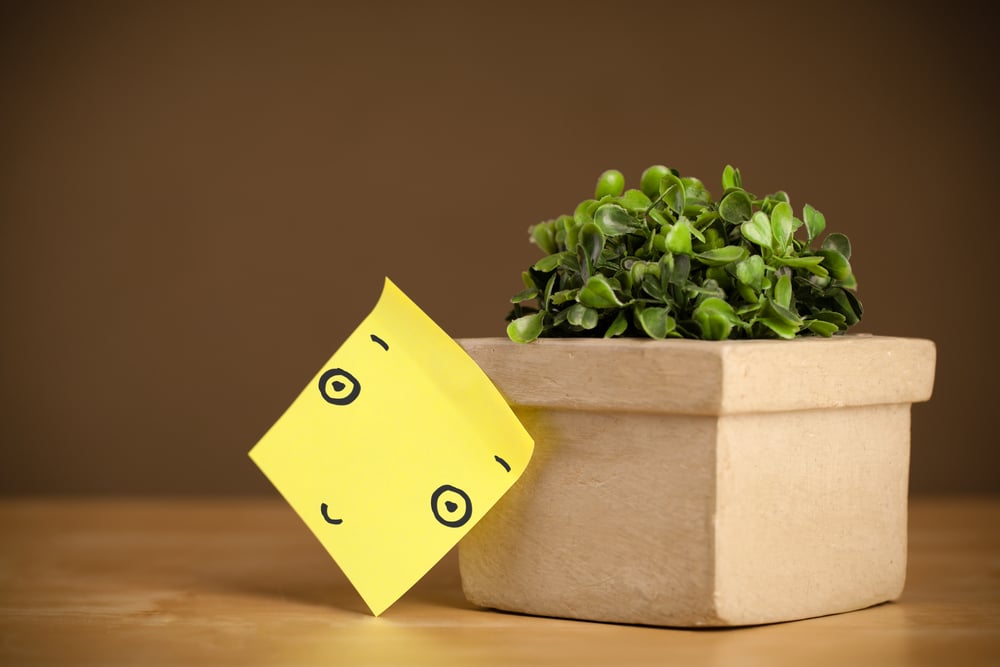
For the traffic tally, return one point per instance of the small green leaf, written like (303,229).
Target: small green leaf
(679,271)
(731,178)
(706,218)
(525,329)
(750,272)
(837,264)
(591,240)
(848,305)
(820,282)
(525,295)
(584,211)
(783,291)
(635,201)
(546,264)
(562,296)
(624,280)
(695,193)
(611,182)
(695,232)
(771,200)
(707,289)
(781,328)
(832,317)
(651,285)
(656,322)
(722,256)
(598,293)
(821,328)
(572,234)
(580,315)
(547,292)
(713,239)
(666,271)
(678,239)
(657,215)
(782,226)
(649,182)
(749,295)
(543,235)
(838,242)
(673,193)
(640,269)
(783,313)
(614,220)
(618,326)
(716,318)
(815,221)
(736,207)
(586,270)
(810,263)
(757,229)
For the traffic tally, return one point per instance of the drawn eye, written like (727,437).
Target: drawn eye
(339,387)
(451,506)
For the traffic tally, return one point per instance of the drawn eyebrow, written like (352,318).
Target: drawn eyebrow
(506,466)
(376,339)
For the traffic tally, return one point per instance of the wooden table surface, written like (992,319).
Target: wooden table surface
(243,582)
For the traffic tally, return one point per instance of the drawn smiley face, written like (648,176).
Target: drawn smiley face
(394,449)
(450,505)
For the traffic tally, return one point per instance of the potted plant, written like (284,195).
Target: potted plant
(710,449)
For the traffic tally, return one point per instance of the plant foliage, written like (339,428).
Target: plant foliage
(668,261)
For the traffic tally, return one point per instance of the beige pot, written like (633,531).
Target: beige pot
(695,483)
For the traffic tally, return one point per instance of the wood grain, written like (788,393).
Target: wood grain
(242,582)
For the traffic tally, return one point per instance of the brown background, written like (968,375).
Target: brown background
(199,200)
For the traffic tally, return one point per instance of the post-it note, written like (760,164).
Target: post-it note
(394,450)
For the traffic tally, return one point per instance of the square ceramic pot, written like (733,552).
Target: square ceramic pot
(696,483)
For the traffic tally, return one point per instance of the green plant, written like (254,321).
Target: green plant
(665,260)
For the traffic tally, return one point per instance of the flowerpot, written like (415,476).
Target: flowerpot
(698,483)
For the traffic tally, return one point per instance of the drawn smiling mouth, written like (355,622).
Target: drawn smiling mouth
(324,510)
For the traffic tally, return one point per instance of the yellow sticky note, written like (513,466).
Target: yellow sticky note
(394,450)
